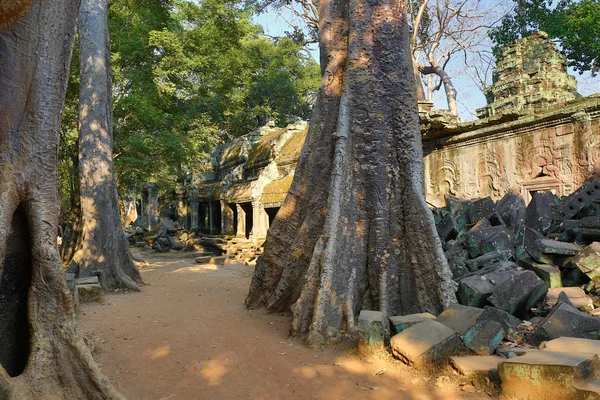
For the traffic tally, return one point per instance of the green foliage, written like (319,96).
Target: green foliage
(186,76)
(575,24)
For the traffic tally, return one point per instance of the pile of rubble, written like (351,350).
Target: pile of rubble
(528,284)
(238,250)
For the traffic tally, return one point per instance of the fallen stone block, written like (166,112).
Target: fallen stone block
(451,225)
(459,318)
(509,322)
(550,274)
(176,244)
(488,258)
(581,198)
(484,336)
(370,332)
(474,290)
(485,240)
(516,351)
(588,261)
(403,322)
(90,280)
(457,256)
(565,320)
(426,343)
(456,205)
(548,251)
(524,240)
(219,260)
(563,298)
(545,374)
(576,296)
(572,345)
(517,294)
(89,292)
(203,259)
(482,208)
(477,366)
(539,212)
(512,210)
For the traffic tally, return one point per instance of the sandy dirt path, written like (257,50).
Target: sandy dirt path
(188,336)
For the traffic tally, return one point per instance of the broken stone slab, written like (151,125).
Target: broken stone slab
(89,292)
(219,260)
(524,240)
(478,366)
(168,225)
(457,256)
(565,320)
(400,323)
(451,225)
(550,274)
(517,294)
(482,208)
(456,205)
(485,240)
(512,210)
(203,259)
(509,322)
(474,290)
(579,199)
(477,332)
(548,251)
(370,332)
(588,261)
(426,343)
(516,350)
(90,280)
(488,258)
(545,374)
(573,345)
(539,212)
(176,244)
(576,296)
(484,336)
(563,298)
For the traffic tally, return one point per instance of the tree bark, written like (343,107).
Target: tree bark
(104,250)
(449,88)
(42,354)
(355,232)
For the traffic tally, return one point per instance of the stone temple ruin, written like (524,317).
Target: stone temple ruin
(535,134)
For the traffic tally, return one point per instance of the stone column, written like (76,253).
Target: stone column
(151,191)
(192,197)
(260,221)
(226,219)
(241,225)
(181,206)
(211,217)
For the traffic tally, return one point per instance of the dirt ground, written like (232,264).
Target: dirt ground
(187,335)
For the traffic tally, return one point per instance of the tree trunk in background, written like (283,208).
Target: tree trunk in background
(355,231)
(42,354)
(104,250)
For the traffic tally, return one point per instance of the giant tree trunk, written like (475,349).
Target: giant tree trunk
(104,250)
(42,354)
(355,231)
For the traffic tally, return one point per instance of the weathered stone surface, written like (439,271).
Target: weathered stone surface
(482,366)
(550,274)
(576,296)
(459,318)
(572,345)
(485,240)
(456,205)
(428,342)
(488,259)
(474,290)
(512,210)
(400,323)
(519,293)
(484,336)
(548,251)
(370,332)
(509,322)
(457,256)
(539,213)
(588,261)
(87,281)
(89,292)
(563,298)
(565,320)
(176,244)
(450,225)
(482,208)
(545,374)
(581,198)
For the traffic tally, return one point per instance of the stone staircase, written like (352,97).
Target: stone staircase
(565,368)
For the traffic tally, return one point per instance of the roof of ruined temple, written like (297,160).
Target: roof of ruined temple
(274,193)
(262,149)
(290,152)
(531,76)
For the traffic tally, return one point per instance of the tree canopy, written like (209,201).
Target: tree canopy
(186,76)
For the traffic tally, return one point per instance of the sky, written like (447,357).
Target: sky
(469,96)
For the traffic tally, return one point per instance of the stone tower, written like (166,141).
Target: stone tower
(530,77)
